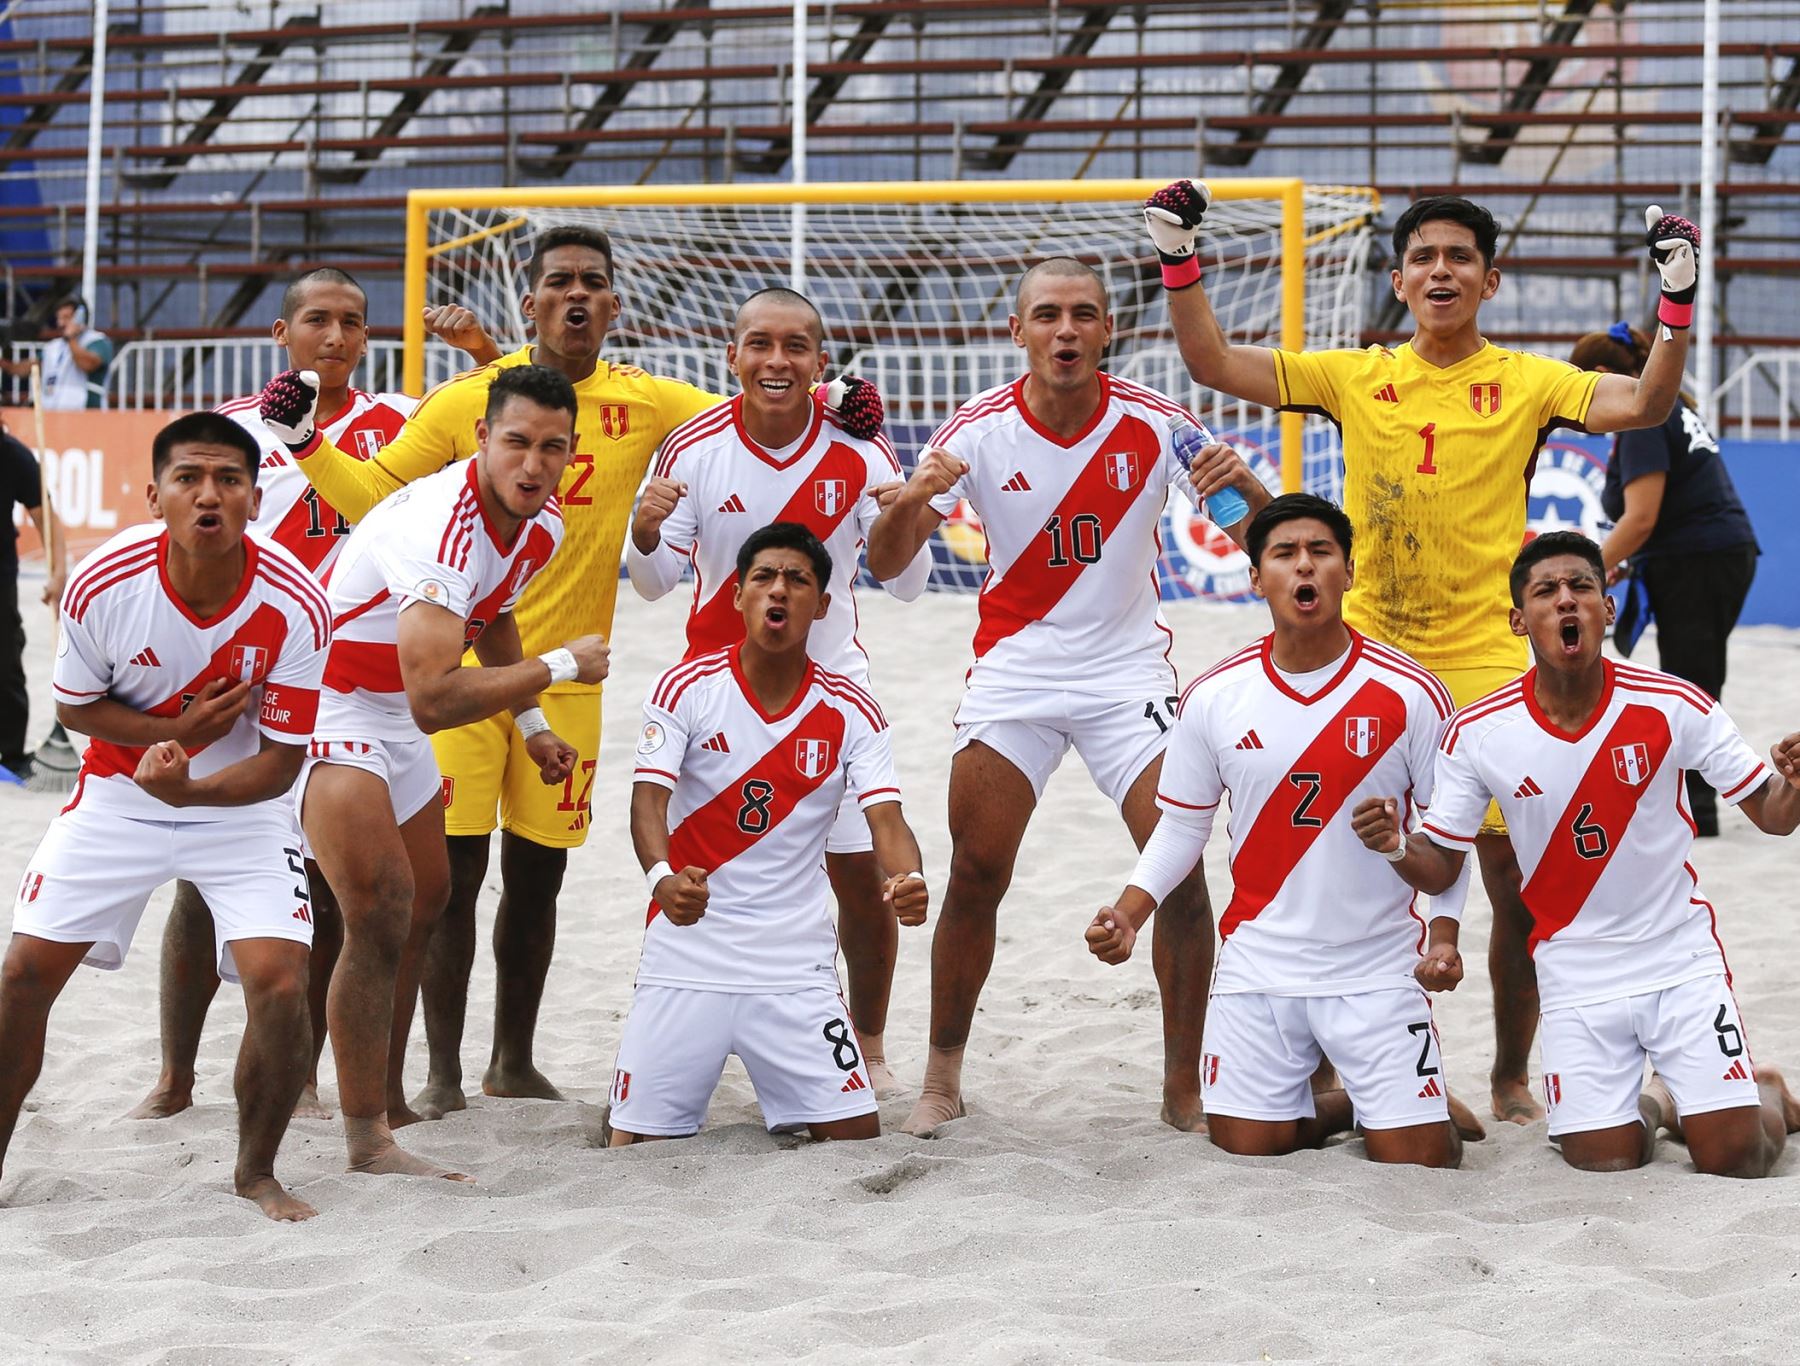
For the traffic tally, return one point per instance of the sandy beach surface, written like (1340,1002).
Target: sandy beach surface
(1059,1222)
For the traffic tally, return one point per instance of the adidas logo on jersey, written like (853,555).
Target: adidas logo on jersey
(1528,788)
(1737,1072)
(1386,394)
(146,659)
(732,504)
(856,1083)
(718,744)
(1249,741)
(1017,484)
(273,460)
(1431,1090)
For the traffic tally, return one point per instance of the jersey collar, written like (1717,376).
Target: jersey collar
(487,524)
(770,718)
(806,441)
(1550,727)
(1018,394)
(1351,655)
(237,597)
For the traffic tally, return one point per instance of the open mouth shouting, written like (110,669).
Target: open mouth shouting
(1570,635)
(1442,294)
(209,521)
(577,316)
(775,617)
(1306,597)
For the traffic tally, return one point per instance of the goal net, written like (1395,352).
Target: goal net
(915,282)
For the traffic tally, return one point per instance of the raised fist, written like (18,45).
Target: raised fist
(937,472)
(1173,216)
(858,406)
(653,509)
(593,657)
(289,405)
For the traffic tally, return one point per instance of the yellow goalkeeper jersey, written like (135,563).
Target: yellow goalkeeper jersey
(1436,466)
(622,416)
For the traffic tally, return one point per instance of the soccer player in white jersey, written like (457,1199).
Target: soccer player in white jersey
(744,760)
(776,453)
(323,327)
(191,657)
(1319,941)
(431,570)
(1585,757)
(1069,469)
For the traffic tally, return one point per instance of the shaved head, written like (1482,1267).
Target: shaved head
(1058,267)
(785,298)
(295,294)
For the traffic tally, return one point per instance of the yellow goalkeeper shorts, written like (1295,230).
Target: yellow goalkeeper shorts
(487,771)
(1471,685)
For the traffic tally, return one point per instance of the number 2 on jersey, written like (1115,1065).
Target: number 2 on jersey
(1429,432)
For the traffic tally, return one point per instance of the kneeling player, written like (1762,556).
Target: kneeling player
(1586,757)
(191,658)
(747,752)
(1319,943)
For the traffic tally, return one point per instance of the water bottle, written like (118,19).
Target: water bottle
(1226,507)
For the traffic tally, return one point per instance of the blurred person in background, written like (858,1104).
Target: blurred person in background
(1679,530)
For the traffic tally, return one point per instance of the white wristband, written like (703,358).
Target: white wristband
(531,722)
(562,665)
(1395,855)
(657,874)
(904,877)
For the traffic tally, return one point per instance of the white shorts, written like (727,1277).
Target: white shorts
(1594,1055)
(1261,1052)
(407,767)
(1032,729)
(799,1048)
(93,873)
(850,831)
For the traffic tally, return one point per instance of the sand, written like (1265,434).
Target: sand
(1059,1222)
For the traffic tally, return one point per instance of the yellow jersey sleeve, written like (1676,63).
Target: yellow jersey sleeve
(677,402)
(1314,381)
(1564,393)
(440,430)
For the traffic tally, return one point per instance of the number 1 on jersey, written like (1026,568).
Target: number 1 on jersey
(1429,432)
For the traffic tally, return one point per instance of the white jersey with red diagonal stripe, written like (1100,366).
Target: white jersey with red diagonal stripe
(293,514)
(1313,912)
(430,542)
(125,635)
(754,797)
(1071,599)
(1600,823)
(736,486)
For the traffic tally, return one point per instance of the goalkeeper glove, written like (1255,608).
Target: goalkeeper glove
(289,405)
(857,405)
(1675,248)
(1173,216)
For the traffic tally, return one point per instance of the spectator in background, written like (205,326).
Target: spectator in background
(19,484)
(75,361)
(1679,523)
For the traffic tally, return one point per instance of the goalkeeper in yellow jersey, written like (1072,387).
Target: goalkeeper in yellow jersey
(1440,437)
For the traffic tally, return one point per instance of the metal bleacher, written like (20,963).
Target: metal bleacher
(246,140)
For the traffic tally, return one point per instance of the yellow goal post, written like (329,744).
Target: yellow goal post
(914,279)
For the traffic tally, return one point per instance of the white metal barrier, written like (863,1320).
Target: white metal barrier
(1762,376)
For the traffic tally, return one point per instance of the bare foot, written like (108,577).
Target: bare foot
(275,1200)
(881,1077)
(437,1100)
(309,1106)
(400,1114)
(1657,1093)
(168,1098)
(933,1110)
(374,1152)
(1514,1103)
(520,1083)
(1462,1118)
(1773,1085)
(1183,1111)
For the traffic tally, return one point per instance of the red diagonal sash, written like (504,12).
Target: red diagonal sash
(1275,845)
(1038,579)
(758,799)
(717,622)
(1565,875)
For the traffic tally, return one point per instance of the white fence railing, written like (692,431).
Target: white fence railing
(1767,378)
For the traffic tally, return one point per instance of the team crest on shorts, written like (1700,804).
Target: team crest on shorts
(369,442)
(1121,470)
(1631,763)
(829,496)
(1209,1069)
(812,757)
(248,662)
(1362,735)
(1552,1089)
(615,420)
(1484,399)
